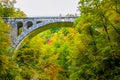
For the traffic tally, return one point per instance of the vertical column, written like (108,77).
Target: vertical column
(24,26)
(14,31)
(34,22)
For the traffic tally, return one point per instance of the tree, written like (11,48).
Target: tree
(8,68)
(101,33)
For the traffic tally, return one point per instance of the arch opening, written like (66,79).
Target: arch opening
(19,28)
(29,24)
(38,22)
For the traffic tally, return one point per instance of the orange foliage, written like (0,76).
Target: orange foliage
(52,71)
(117,19)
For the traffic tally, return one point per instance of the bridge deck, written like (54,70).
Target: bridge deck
(42,17)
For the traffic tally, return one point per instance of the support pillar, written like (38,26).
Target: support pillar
(24,27)
(14,31)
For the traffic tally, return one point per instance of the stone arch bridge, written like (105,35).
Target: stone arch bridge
(28,27)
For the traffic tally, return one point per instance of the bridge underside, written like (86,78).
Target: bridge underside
(41,29)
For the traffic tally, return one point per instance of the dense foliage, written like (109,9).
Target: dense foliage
(10,12)
(100,23)
(8,68)
(89,51)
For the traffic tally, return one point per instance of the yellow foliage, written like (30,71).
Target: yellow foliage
(55,57)
(117,19)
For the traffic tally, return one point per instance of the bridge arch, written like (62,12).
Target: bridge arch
(38,24)
(38,28)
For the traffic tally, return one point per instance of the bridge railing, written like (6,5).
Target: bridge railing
(48,17)
(8,20)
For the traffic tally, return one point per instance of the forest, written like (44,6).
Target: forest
(89,50)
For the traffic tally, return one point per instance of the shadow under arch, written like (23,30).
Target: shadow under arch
(39,30)
(29,24)
(19,27)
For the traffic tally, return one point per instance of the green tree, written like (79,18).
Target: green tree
(100,37)
(8,68)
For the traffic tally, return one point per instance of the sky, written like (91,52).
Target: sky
(48,7)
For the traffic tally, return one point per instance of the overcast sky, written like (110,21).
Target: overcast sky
(47,7)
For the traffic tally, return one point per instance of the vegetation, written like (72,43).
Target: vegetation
(8,68)
(88,51)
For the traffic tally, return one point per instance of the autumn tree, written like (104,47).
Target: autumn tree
(97,23)
(8,68)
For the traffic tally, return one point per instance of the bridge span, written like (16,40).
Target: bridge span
(28,27)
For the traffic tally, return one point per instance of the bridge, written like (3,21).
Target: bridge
(26,28)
